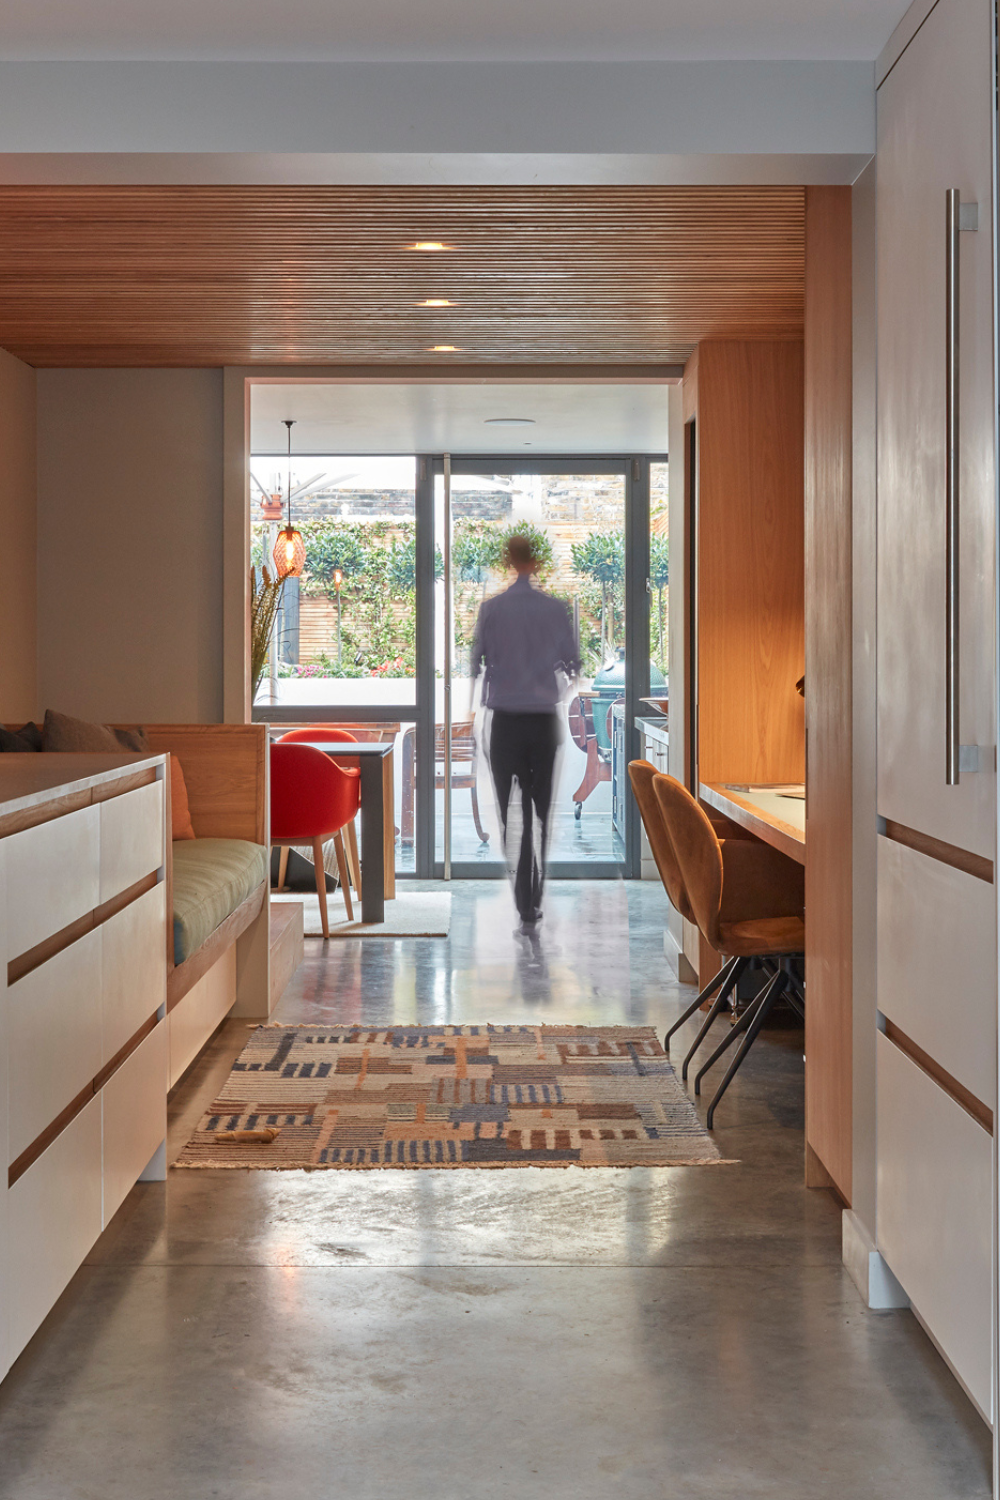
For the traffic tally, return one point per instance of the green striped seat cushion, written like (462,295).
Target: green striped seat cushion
(211,879)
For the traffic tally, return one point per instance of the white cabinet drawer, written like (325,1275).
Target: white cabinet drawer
(135,1117)
(937,962)
(135,968)
(53,877)
(934,1211)
(54,1218)
(54,1037)
(131,838)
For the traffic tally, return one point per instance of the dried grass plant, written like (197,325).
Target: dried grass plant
(265,596)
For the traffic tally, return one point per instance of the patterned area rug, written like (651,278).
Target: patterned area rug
(328,1097)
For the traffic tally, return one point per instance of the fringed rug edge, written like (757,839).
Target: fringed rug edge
(444,1166)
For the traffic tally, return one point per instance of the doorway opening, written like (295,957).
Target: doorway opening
(377,632)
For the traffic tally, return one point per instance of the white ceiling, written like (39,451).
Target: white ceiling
(425,418)
(483,30)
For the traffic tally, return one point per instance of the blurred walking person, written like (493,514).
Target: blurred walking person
(528,653)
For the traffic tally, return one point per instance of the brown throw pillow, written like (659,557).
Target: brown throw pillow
(133,739)
(63,732)
(181,826)
(18,741)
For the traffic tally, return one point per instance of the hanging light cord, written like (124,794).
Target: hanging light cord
(289,423)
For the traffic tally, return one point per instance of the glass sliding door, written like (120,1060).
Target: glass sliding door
(581,514)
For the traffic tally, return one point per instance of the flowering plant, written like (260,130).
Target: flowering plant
(383,669)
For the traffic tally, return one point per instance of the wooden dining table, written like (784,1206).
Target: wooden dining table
(378,843)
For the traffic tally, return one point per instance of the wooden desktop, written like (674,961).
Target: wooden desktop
(776,815)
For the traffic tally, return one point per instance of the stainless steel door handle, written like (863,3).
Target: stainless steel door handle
(958,216)
(951,486)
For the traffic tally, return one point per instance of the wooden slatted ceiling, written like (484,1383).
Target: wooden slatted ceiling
(263,275)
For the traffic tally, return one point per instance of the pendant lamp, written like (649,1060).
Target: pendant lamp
(289,548)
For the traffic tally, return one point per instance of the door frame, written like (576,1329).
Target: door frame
(238,382)
(634,469)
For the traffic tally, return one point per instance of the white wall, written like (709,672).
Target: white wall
(130,544)
(17,526)
(363,107)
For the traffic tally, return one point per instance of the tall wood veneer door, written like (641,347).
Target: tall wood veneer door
(934,134)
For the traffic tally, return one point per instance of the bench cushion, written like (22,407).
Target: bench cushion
(212,877)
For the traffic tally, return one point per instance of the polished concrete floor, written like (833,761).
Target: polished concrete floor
(652,1334)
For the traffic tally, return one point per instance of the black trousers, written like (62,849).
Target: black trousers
(523,750)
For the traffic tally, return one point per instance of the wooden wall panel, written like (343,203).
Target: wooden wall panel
(750,570)
(226,774)
(189,275)
(690,388)
(18,518)
(828,459)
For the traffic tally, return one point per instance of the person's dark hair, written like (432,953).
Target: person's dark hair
(520,551)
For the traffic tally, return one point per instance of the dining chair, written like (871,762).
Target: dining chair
(464,773)
(313,800)
(328,734)
(749,903)
(641,774)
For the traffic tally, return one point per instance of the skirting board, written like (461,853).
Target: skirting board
(673,952)
(951,1367)
(869,1272)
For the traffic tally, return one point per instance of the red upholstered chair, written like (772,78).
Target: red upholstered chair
(332,734)
(312,800)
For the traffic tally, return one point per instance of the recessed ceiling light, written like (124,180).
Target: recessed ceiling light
(430,245)
(444,349)
(434,302)
(509,421)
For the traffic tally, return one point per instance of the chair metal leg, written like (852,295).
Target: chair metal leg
(706,994)
(320,869)
(484,837)
(739,965)
(737,1029)
(763,1009)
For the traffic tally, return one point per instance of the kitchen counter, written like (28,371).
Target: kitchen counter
(30,781)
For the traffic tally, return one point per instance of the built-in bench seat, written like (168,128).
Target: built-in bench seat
(218,940)
(211,879)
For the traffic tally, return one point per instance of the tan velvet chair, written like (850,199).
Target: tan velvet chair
(749,903)
(641,774)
